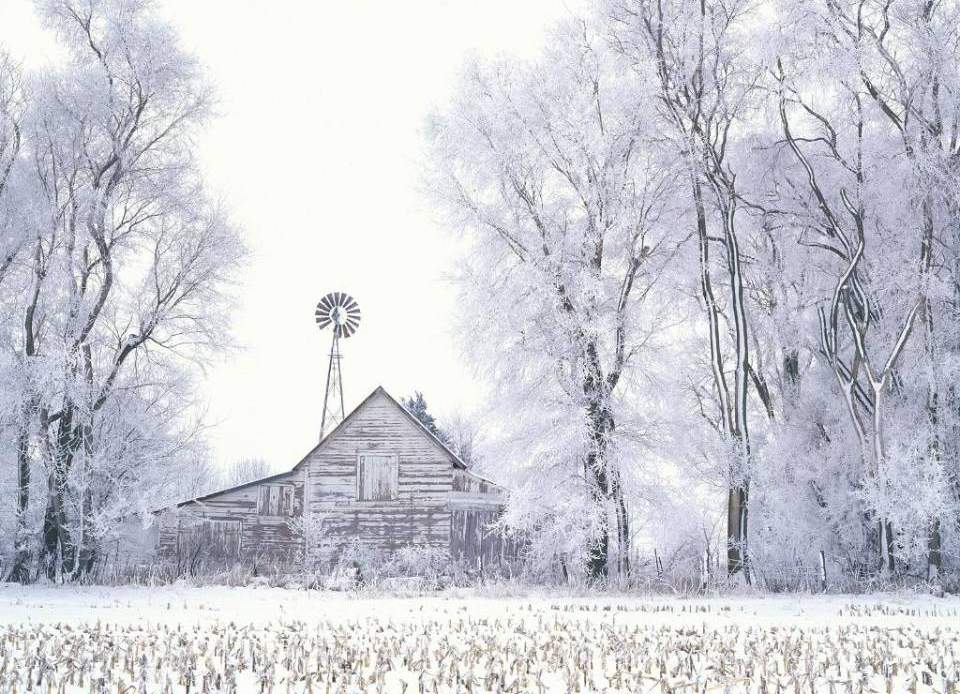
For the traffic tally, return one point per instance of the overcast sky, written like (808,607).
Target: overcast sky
(317,150)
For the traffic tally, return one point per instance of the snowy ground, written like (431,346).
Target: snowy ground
(181,638)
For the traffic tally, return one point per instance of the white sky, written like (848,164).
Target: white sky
(317,152)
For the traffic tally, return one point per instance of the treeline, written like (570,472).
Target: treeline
(715,280)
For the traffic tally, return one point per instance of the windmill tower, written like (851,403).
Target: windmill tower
(342,312)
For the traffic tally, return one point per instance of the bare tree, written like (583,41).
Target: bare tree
(246,470)
(14,221)
(705,88)
(887,106)
(464,438)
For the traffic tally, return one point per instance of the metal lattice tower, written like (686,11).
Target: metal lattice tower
(343,313)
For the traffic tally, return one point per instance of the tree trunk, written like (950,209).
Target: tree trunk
(736,529)
(934,556)
(887,555)
(737,556)
(598,564)
(58,550)
(737,493)
(20,571)
(623,528)
(607,495)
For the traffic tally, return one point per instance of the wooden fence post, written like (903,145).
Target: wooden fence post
(823,572)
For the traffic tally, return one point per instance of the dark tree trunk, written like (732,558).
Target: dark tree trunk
(608,495)
(58,550)
(736,528)
(599,561)
(934,552)
(20,572)
(886,535)
(934,557)
(732,410)
(623,528)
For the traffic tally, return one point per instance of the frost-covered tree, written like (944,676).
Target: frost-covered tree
(121,284)
(245,470)
(797,164)
(705,92)
(546,169)
(464,437)
(14,197)
(874,186)
(16,207)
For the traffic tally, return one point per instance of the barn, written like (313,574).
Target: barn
(379,480)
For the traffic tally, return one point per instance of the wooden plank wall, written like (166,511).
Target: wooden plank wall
(465,481)
(437,504)
(268,516)
(476,505)
(476,542)
(425,477)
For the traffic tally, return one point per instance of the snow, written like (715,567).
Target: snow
(272,639)
(187,605)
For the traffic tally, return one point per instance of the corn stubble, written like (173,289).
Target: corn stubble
(563,648)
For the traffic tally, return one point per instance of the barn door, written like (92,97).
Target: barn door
(378,477)
(210,540)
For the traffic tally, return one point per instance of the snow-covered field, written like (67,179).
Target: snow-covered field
(217,639)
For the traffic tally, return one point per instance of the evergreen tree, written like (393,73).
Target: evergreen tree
(417,406)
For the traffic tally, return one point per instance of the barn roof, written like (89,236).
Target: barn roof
(454,458)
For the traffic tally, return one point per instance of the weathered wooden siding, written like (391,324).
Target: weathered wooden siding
(419,514)
(466,481)
(473,539)
(419,495)
(476,505)
(265,524)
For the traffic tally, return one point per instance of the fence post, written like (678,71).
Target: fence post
(823,572)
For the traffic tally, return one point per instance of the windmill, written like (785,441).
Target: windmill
(343,313)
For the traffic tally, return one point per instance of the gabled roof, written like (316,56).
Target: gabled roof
(454,458)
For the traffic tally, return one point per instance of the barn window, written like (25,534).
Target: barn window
(275,500)
(378,477)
